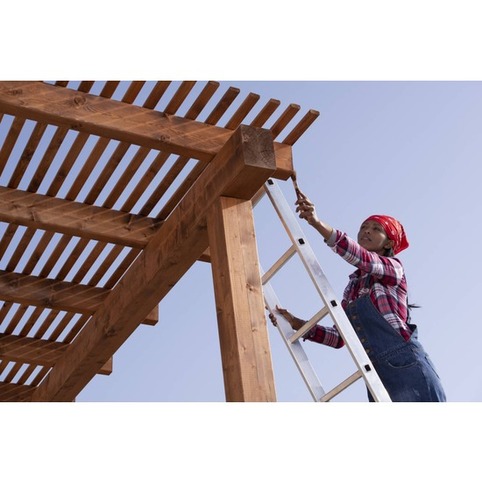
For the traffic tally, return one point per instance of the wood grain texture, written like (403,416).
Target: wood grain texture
(169,254)
(118,120)
(245,352)
(76,219)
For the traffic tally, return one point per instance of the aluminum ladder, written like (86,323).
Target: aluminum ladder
(300,246)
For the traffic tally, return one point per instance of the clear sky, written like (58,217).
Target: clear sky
(411,149)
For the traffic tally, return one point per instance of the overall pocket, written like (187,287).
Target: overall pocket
(403,357)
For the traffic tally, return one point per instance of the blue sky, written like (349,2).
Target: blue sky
(409,149)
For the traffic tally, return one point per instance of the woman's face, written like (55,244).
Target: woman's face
(372,237)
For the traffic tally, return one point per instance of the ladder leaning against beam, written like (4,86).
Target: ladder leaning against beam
(299,246)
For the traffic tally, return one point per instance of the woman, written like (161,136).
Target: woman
(375,301)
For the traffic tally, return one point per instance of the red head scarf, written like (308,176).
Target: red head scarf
(394,231)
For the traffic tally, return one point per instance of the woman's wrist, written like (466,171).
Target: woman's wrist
(324,229)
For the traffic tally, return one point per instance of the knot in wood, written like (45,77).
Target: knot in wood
(79,100)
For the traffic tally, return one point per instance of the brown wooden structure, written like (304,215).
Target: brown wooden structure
(109,195)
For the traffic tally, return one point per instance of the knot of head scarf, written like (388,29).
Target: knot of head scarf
(394,231)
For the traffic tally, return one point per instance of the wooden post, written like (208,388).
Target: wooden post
(245,352)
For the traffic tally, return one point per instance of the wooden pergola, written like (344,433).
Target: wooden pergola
(108,195)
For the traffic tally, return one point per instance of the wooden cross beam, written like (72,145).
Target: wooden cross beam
(56,294)
(75,219)
(35,351)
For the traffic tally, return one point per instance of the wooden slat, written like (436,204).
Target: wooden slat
(156,94)
(109,88)
(48,323)
(68,264)
(87,167)
(179,97)
(301,127)
(22,380)
(20,249)
(242,111)
(10,392)
(239,170)
(73,332)
(47,158)
(165,184)
(284,119)
(265,113)
(122,268)
(76,219)
(40,376)
(133,91)
(222,106)
(32,320)
(7,238)
(13,323)
(126,177)
(86,85)
(12,372)
(204,97)
(103,178)
(54,294)
(90,261)
(180,192)
(27,154)
(67,164)
(10,140)
(57,253)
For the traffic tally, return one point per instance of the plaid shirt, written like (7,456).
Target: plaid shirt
(381,277)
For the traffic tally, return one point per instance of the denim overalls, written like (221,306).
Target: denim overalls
(403,366)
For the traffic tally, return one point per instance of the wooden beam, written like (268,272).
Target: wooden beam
(247,367)
(55,294)
(30,350)
(13,392)
(75,219)
(239,170)
(121,121)
(36,351)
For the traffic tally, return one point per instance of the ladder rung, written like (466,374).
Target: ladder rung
(309,324)
(342,386)
(288,254)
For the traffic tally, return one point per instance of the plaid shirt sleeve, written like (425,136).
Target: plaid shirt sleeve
(326,336)
(388,270)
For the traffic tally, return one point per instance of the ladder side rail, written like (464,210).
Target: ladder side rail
(296,350)
(315,272)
